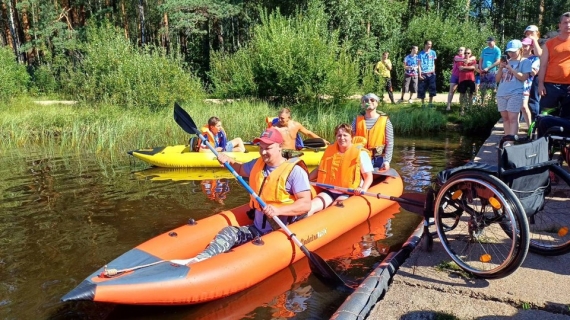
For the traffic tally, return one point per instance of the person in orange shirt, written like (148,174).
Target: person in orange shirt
(554,73)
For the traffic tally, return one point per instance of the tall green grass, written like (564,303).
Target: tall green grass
(110,130)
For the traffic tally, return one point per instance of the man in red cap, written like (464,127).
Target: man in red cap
(282,184)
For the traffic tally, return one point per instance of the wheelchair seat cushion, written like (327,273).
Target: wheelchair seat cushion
(444,175)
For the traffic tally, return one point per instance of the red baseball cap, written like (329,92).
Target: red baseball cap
(270,136)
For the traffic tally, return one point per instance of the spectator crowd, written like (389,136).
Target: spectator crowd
(530,78)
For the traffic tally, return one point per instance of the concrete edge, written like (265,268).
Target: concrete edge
(359,304)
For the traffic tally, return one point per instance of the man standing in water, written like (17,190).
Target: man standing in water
(290,130)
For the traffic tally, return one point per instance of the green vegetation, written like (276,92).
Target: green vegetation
(526,305)
(451,266)
(13,76)
(295,58)
(105,128)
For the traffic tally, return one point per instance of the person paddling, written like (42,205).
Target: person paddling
(282,184)
(344,164)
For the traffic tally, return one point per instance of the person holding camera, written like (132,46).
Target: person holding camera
(513,71)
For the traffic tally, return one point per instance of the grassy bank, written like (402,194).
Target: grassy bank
(111,129)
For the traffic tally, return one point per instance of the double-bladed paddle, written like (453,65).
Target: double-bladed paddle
(317,264)
(415,202)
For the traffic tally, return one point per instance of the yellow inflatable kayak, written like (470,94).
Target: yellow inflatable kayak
(180,156)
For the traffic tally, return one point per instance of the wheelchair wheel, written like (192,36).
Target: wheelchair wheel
(550,227)
(481,224)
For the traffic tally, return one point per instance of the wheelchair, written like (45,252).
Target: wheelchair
(488,217)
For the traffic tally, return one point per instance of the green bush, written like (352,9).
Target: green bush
(480,119)
(13,76)
(414,120)
(293,57)
(44,81)
(116,72)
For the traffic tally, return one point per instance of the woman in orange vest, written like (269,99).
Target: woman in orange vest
(344,164)
(217,137)
(378,131)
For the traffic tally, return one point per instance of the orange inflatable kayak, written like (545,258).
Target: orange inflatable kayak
(156,281)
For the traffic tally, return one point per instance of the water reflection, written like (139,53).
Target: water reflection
(64,215)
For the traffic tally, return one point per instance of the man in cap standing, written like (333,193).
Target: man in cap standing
(378,131)
(282,184)
(488,62)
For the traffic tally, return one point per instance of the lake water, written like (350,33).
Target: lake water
(65,214)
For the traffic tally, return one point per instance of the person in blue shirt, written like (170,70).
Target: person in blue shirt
(488,63)
(218,139)
(426,73)
(410,74)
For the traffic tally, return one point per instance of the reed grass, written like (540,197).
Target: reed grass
(110,130)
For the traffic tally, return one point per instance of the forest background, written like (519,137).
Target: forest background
(149,53)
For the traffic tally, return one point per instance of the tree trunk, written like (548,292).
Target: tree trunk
(467,9)
(125,19)
(540,12)
(14,30)
(141,25)
(6,27)
(165,33)
(27,35)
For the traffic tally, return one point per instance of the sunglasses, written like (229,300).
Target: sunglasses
(467,52)
(368,100)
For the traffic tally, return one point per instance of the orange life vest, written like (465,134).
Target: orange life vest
(376,137)
(273,186)
(341,169)
(211,136)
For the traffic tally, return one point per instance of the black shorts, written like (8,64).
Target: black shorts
(333,195)
(466,84)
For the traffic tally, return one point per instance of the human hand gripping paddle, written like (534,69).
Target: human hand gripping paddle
(317,264)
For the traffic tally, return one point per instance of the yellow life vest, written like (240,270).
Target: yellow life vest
(376,137)
(272,188)
(341,169)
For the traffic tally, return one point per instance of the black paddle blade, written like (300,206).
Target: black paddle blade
(184,120)
(314,143)
(322,270)
(418,198)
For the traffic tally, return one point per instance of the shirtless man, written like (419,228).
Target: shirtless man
(289,129)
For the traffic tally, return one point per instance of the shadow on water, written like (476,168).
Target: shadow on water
(64,215)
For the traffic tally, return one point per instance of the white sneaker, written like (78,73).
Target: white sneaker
(410,101)
(401,101)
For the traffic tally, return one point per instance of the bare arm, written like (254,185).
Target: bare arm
(309,133)
(536,47)
(542,71)
(314,174)
(301,206)
(368,177)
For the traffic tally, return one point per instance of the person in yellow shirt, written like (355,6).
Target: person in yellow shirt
(382,69)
